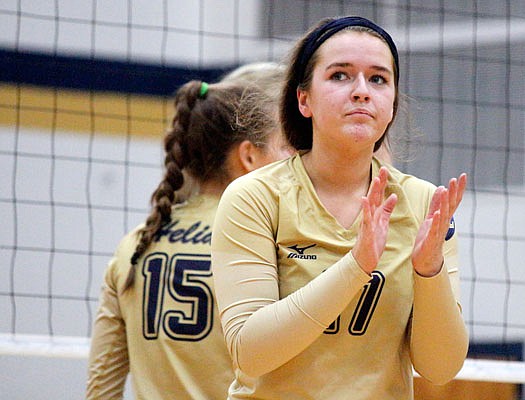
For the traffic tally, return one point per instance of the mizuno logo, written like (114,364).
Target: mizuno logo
(299,252)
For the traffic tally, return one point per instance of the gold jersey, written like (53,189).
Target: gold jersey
(164,330)
(302,320)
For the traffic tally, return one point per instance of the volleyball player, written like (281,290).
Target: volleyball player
(335,274)
(267,75)
(156,317)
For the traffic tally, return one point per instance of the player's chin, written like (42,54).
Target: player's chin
(363,133)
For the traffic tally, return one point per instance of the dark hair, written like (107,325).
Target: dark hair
(297,128)
(204,129)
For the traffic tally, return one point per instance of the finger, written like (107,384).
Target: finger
(444,212)
(383,176)
(435,203)
(371,196)
(462,184)
(384,213)
(457,188)
(390,203)
(375,196)
(452,196)
(452,190)
(386,207)
(434,236)
(367,217)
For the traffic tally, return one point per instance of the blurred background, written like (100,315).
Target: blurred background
(85,97)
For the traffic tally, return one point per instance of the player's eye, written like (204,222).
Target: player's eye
(338,76)
(378,79)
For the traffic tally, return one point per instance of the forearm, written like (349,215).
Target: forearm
(263,332)
(439,339)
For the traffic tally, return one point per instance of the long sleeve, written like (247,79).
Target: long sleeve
(439,338)
(108,358)
(263,331)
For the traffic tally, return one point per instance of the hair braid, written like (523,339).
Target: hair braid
(164,196)
(202,133)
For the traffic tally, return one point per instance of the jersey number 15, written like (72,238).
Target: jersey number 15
(181,278)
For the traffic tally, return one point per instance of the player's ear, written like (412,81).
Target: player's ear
(302,100)
(248,155)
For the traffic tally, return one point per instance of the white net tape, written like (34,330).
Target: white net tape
(78,347)
(44,346)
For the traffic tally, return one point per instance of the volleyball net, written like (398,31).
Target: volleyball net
(86,96)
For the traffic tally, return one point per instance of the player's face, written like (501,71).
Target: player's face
(277,148)
(351,96)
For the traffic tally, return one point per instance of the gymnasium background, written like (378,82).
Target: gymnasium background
(85,92)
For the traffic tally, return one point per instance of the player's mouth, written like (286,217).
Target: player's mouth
(360,112)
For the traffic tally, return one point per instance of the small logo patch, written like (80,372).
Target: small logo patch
(451,229)
(299,252)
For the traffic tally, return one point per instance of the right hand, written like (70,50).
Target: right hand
(371,238)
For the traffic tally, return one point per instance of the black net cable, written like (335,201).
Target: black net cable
(472,177)
(52,235)
(506,167)
(92,129)
(12,265)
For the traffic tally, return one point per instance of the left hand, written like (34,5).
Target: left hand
(427,255)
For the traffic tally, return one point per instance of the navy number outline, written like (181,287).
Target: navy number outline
(365,307)
(181,278)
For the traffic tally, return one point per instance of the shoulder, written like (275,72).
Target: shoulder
(127,244)
(412,184)
(415,191)
(119,264)
(255,198)
(268,181)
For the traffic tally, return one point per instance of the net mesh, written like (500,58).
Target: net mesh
(85,98)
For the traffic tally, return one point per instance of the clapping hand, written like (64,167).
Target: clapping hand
(427,256)
(371,239)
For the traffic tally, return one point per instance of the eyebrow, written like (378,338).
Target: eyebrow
(346,65)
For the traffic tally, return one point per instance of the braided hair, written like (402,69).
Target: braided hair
(202,132)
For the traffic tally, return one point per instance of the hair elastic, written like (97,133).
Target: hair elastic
(204,89)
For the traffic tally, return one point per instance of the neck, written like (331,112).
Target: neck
(339,172)
(212,188)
